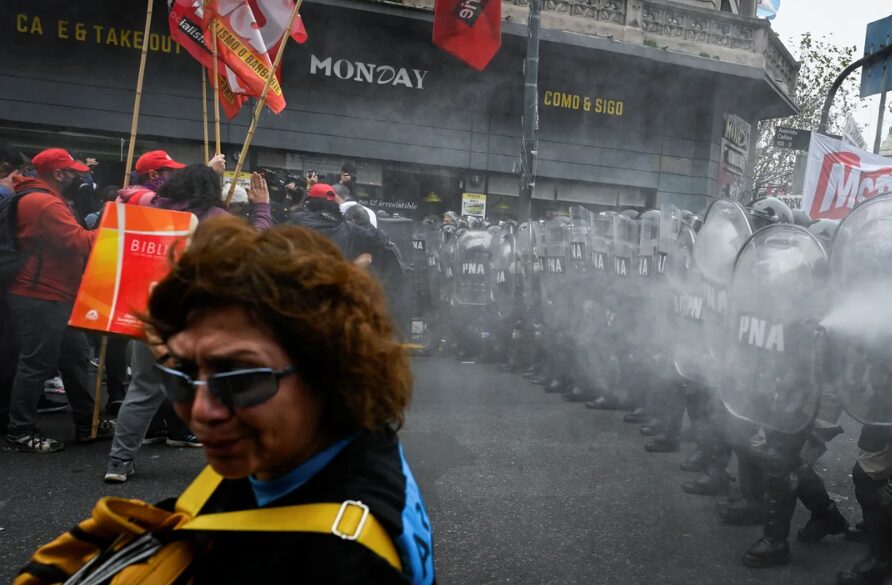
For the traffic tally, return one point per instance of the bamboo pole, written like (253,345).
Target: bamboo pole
(204,111)
(216,87)
(261,102)
(103,347)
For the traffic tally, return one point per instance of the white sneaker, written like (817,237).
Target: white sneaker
(54,386)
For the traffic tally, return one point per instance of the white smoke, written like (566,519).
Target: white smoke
(864,314)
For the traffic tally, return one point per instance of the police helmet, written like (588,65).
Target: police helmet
(651,215)
(630,213)
(800,217)
(770,210)
(824,229)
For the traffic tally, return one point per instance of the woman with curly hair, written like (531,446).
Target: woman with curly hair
(280,356)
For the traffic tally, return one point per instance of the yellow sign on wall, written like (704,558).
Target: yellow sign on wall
(473,204)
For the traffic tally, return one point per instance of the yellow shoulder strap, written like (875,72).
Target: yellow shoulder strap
(198,492)
(350,520)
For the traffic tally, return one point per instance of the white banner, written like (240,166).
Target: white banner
(839,175)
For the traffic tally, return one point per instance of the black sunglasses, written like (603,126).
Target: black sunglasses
(236,388)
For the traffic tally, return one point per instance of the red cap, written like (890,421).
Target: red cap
(155,160)
(322,191)
(53,159)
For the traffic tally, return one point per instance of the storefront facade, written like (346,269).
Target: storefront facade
(620,124)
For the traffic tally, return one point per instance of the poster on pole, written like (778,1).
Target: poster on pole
(473,204)
(130,256)
(839,175)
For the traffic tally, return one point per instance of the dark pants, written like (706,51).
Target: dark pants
(9,357)
(48,345)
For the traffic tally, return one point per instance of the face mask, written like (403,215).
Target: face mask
(156,184)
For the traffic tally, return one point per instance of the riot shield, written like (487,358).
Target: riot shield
(858,326)
(471,268)
(552,252)
(725,229)
(777,296)
(505,275)
(595,333)
(425,280)
(691,355)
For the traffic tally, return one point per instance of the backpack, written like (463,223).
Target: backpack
(130,542)
(11,258)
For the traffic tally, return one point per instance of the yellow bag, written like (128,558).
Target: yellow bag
(122,532)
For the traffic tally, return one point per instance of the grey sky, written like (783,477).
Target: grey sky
(845,23)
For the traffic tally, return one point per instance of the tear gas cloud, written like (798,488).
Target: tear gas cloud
(863,314)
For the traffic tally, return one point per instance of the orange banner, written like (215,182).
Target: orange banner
(130,255)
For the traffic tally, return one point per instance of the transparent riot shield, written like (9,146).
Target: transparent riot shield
(596,334)
(777,297)
(725,229)
(671,222)
(505,275)
(858,324)
(472,267)
(552,251)
(687,289)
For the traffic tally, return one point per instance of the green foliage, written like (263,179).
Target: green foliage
(821,62)
(650,43)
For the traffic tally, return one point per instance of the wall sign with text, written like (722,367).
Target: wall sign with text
(583,102)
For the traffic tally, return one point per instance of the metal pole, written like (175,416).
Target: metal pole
(879,139)
(825,111)
(530,146)
(530,118)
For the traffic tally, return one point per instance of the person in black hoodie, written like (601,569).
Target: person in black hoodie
(321,213)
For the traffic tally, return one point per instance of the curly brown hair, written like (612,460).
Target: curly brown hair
(329,315)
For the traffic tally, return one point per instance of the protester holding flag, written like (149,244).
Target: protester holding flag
(195,189)
(45,260)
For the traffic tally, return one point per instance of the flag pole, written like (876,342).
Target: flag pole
(103,346)
(216,87)
(261,102)
(530,131)
(204,112)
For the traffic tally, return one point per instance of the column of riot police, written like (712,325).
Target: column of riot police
(746,319)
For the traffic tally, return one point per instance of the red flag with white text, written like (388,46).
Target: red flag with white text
(248,36)
(470,30)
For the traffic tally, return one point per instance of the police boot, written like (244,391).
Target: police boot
(652,427)
(867,571)
(695,462)
(607,401)
(825,518)
(663,443)
(712,482)
(772,549)
(748,509)
(876,567)
(578,394)
(637,416)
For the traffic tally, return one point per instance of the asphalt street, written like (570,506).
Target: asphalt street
(521,487)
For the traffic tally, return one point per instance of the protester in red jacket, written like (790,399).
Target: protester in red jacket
(40,301)
(152,171)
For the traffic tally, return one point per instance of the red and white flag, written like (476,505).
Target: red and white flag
(248,36)
(839,175)
(471,30)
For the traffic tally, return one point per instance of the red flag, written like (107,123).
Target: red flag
(248,36)
(230,101)
(471,30)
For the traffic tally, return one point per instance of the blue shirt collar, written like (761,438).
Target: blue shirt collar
(268,491)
